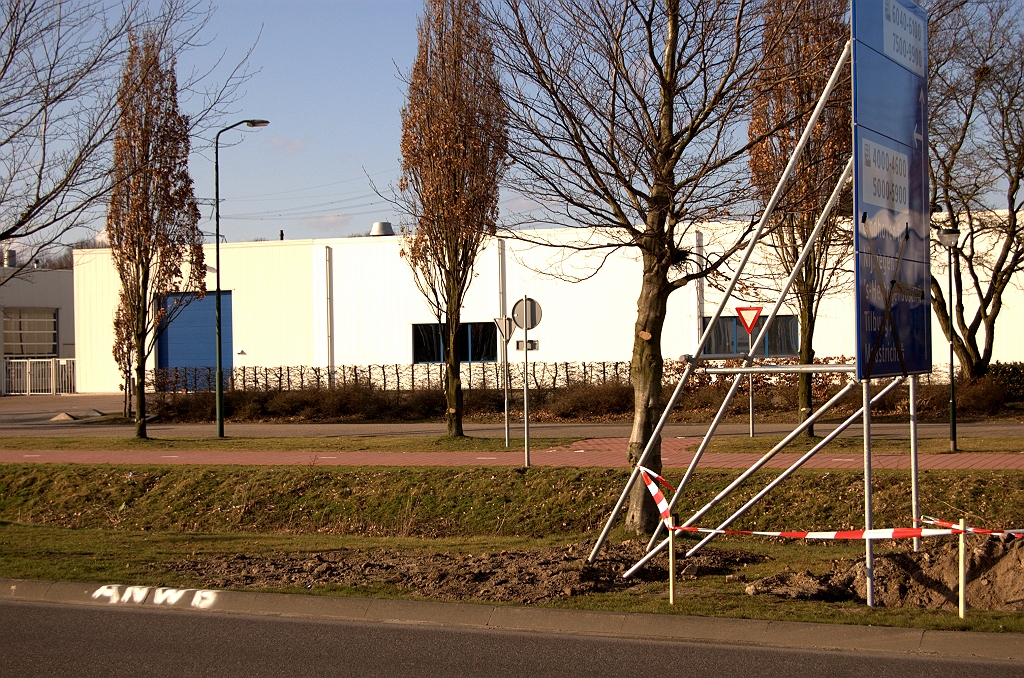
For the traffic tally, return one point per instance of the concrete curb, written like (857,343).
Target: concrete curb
(961,644)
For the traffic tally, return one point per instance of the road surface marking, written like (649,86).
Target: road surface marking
(486,457)
(169,456)
(31,455)
(328,457)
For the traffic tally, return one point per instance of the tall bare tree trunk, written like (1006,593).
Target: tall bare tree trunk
(453,374)
(805,392)
(646,370)
(140,386)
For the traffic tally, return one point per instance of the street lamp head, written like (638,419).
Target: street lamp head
(257,123)
(949,236)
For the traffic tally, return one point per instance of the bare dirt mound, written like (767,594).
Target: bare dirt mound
(522,577)
(927,579)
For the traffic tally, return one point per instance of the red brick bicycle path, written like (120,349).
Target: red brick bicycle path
(603,452)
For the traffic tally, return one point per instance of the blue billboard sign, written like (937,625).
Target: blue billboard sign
(890,142)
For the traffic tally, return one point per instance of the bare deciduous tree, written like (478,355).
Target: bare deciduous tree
(795,74)
(57,113)
(152,221)
(627,118)
(453,157)
(59,79)
(976,139)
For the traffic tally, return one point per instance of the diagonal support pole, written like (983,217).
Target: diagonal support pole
(797,464)
(797,267)
(804,425)
(772,485)
(705,337)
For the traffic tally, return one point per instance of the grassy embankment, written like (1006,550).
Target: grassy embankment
(128,524)
(325,444)
(721,444)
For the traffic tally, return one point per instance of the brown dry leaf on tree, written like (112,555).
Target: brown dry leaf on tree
(794,76)
(152,220)
(453,157)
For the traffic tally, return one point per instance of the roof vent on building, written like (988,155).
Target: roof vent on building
(382,228)
(10,259)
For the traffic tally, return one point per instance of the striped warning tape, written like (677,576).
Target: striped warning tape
(896,533)
(928,520)
(659,497)
(944,528)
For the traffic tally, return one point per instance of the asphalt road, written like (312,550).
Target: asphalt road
(42,639)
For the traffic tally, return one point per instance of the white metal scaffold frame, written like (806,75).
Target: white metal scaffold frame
(693,362)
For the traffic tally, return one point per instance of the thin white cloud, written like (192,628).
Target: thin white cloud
(328,222)
(288,146)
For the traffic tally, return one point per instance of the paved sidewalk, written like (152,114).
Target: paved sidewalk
(998,646)
(601,452)
(30,416)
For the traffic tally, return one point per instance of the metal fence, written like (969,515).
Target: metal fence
(387,377)
(431,376)
(46,376)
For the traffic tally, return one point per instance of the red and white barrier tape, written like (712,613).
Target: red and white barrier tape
(896,533)
(928,520)
(945,528)
(659,497)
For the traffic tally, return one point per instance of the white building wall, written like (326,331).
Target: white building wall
(376,302)
(281,316)
(272,299)
(96,294)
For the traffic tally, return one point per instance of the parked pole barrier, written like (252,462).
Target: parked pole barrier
(963,568)
(750,386)
(915,503)
(869,554)
(672,565)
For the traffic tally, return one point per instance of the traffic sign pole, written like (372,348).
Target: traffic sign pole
(750,387)
(748,315)
(526,314)
(526,385)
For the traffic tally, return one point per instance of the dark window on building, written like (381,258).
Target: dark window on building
(30,332)
(476,342)
(730,338)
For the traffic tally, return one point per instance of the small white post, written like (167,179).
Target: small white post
(915,503)
(869,556)
(750,381)
(671,565)
(963,568)
(526,381)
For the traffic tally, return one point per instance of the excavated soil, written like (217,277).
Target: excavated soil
(522,577)
(927,579)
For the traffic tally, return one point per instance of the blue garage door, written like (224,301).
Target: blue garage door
(191,338)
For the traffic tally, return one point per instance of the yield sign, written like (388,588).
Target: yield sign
(748,316)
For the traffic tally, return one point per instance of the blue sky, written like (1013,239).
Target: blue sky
(329,82)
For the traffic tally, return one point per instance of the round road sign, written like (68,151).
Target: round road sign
(526,313)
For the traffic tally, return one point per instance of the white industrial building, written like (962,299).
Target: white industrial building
(353,301)
(38,329)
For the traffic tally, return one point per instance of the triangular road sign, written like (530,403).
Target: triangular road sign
(748,316)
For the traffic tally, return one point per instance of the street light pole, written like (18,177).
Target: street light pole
(949,237)
(216,247)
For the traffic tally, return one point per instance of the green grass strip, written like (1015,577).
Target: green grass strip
(460,502)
